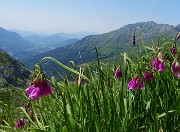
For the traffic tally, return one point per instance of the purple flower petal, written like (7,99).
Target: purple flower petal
(132,85)
(161,66)
(19,123)
(175,67)
(33,92)
(118,73)
(156,63)
(173,51)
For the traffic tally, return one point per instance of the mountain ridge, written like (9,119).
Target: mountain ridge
(13,43)
(108,44)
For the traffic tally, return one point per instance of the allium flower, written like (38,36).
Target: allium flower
(135,83)
(173,50)
(148,76)
(158,64)
(41,88)
(118,73)
(19,123)
(175,67)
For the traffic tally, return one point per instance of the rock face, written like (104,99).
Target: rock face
(12,72)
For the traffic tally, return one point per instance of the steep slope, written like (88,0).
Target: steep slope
(14,44)
(108,44)
(12,72)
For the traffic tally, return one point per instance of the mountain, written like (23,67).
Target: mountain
(26,33)
(78,35)
(44,48)
(45,40)
(62,44)
(108,44)
(12,72)
(178,27)
(14,44)
(20,48)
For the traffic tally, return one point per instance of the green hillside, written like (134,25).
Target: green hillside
(12,72)
(108,44)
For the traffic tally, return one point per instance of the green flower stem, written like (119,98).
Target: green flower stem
(64,66)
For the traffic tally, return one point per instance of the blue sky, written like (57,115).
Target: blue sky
(70,16)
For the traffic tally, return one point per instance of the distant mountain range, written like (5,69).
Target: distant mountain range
(14,44)
(44,40)
(108,44)
(31,49)
(77,35)
(12,72)
(20,48)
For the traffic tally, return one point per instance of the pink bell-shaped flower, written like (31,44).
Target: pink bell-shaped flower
(135,83)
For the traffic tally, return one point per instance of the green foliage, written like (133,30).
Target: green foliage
(104,102)
(12,72)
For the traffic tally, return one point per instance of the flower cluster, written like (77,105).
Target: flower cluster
(157,64)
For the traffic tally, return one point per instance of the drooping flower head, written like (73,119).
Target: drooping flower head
(135,83)
(118,73)
(175,67)
(19,123)
(161,66)
(39,87)
(173,49)
(148,75)
(158,63)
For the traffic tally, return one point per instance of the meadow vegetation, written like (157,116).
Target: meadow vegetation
(142,93)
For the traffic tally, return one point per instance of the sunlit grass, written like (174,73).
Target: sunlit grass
(104,102)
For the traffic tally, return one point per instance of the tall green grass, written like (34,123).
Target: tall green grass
(104,103)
